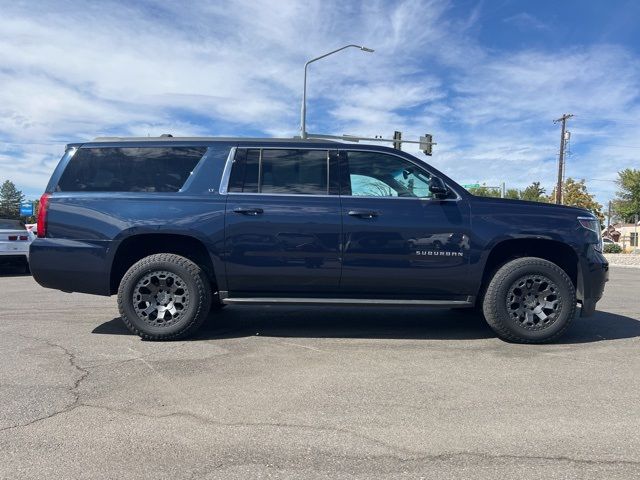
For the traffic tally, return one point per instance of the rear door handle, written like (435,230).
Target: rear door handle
(248,210)
(363,213)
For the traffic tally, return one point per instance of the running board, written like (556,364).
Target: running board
(347,302)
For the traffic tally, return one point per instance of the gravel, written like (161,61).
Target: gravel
(623,259)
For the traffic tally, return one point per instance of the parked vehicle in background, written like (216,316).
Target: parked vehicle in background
(179,226)
(14,243)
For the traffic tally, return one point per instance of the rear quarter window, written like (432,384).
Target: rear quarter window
(144,169)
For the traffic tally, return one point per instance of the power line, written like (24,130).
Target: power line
(612,121)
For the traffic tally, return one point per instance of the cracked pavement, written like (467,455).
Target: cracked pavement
(297,392)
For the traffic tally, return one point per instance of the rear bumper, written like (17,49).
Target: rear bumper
(14,249)
(593,274)
(71,265)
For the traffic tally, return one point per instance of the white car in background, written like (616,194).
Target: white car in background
(14,243)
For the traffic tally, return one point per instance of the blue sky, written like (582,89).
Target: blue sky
(486,78)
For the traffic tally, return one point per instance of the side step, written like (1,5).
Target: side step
(347,302)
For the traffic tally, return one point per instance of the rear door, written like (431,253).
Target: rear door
(399,241)
(283,224)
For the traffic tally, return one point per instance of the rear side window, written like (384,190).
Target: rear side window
(145,169)
(284,171)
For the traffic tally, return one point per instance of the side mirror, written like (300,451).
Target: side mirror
(438,188)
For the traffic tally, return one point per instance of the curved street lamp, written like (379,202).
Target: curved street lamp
(303,112)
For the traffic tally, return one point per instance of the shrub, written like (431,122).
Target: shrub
(612,248)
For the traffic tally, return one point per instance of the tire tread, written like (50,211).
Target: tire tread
(203,295)
(491,299)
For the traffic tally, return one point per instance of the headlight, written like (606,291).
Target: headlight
(593,224)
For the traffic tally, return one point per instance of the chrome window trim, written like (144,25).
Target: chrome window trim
(226,173)
(307,195)
(259,171)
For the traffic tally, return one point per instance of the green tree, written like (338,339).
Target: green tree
(627,202)
(534,193)
(10,199)
(512,193)
(484,191)
(575,193)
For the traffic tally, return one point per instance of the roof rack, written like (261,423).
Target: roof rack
(426,142)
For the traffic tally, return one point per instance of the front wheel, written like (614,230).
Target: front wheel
(164,297)
(529,300)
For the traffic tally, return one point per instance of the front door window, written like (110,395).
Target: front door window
(373,174)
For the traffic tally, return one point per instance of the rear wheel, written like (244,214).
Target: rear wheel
(164,297)
(529,300)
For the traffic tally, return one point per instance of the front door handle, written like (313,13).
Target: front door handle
(248,210)
(363,213)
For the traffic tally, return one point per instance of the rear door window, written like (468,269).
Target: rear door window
(280,171)
(144,169)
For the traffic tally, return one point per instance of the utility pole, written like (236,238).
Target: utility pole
(609,215)
(562,119)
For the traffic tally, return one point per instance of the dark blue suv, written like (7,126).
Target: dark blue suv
(178,227)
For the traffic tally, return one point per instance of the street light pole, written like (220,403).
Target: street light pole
(303,112)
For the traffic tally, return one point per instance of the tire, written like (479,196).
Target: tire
(529,300)
(164,297)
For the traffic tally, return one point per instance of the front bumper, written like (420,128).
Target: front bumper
(593,274)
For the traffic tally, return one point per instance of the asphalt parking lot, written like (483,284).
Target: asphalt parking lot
(315,393)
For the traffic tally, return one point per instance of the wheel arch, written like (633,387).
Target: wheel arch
(135,247)
(554,251)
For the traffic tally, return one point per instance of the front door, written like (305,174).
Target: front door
(282,233)
(398,240)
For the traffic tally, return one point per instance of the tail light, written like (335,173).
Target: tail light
(42,215)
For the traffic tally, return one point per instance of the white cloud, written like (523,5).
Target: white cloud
(525,20)
(73,70)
